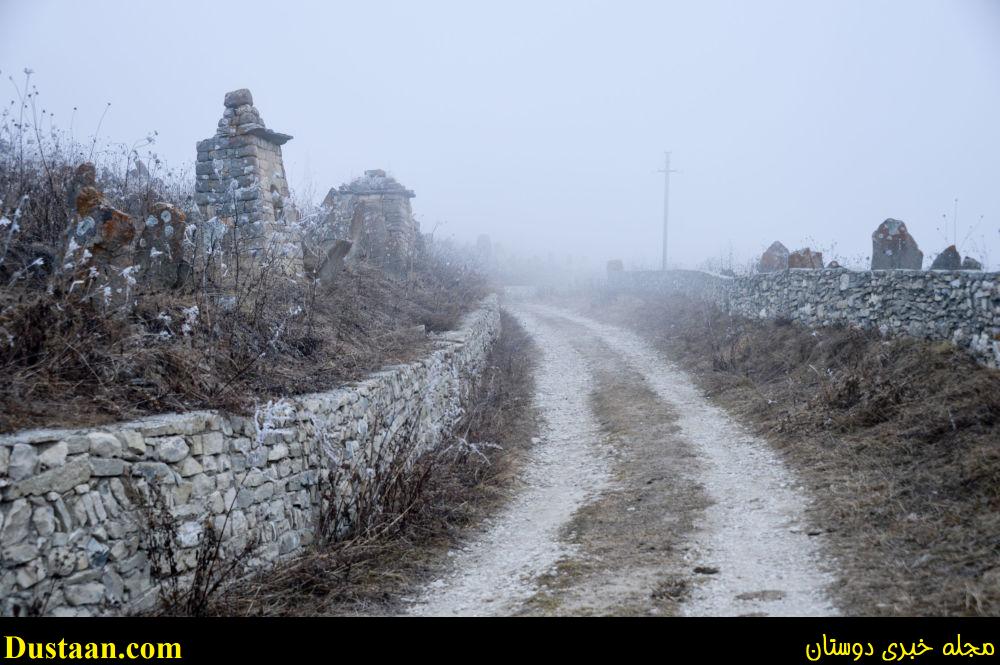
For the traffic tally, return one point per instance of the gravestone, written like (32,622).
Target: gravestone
(805,259)
(160,250)
(949,259)
(774,258)
(969,263)
(100,237)
(893,248)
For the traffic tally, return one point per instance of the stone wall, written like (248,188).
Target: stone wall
(960,306)
(71,536)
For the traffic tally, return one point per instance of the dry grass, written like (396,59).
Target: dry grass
(898,440)
(368,567)
(85,343)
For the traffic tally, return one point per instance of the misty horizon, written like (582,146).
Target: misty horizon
(545,127)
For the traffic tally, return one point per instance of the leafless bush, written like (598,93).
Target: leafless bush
(183,591)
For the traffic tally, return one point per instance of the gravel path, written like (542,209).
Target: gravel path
(748,553)
(496,572)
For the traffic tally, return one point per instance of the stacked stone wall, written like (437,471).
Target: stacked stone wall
(959,306)
(71,534)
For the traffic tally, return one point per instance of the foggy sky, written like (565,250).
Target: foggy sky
(544,123)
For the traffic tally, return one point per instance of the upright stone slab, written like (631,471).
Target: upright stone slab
(160,251)
(893,248)
(805,259)
(240,179)
(774,258)
(949,259)
(389,235)
(969,263)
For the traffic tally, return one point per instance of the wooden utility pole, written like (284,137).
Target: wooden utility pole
(666,171)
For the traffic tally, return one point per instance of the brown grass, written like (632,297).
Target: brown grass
(898,440)
(73,364)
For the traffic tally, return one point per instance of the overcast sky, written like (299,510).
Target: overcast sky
(544,123)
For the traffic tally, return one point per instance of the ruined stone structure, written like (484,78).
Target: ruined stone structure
(70,532)
(389,235)
(774,258)
(240,179)
(893,248)
(962,307)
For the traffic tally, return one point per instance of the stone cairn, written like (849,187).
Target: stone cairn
(241,183)
(389,236)
(893,248)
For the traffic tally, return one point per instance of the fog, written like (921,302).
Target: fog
(544,124)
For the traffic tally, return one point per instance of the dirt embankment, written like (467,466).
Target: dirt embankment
(898,440)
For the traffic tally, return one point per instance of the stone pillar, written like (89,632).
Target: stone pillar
(240,179)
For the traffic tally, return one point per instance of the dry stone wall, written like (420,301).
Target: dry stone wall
(960,306)
(71,539)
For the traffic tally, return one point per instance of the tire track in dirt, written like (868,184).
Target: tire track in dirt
(498,569)
(640,498)
(752,546)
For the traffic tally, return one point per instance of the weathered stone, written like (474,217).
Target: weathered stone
(154,472)
(61,562)
(893,248)
(189,533)
(18,554)
(277,452)
(969,263)
(949,259)
(54,455)
(805,259)
(134,442)
(60,479)
(103,467)
(774,258)
(190,467)
(31,573)
(77,444)
(160,252)
(103,444)
(23,461)
(237,98)
(171,449)
(15,528)
(90,593)
(44,519)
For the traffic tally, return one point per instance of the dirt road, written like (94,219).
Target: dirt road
(640,498)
